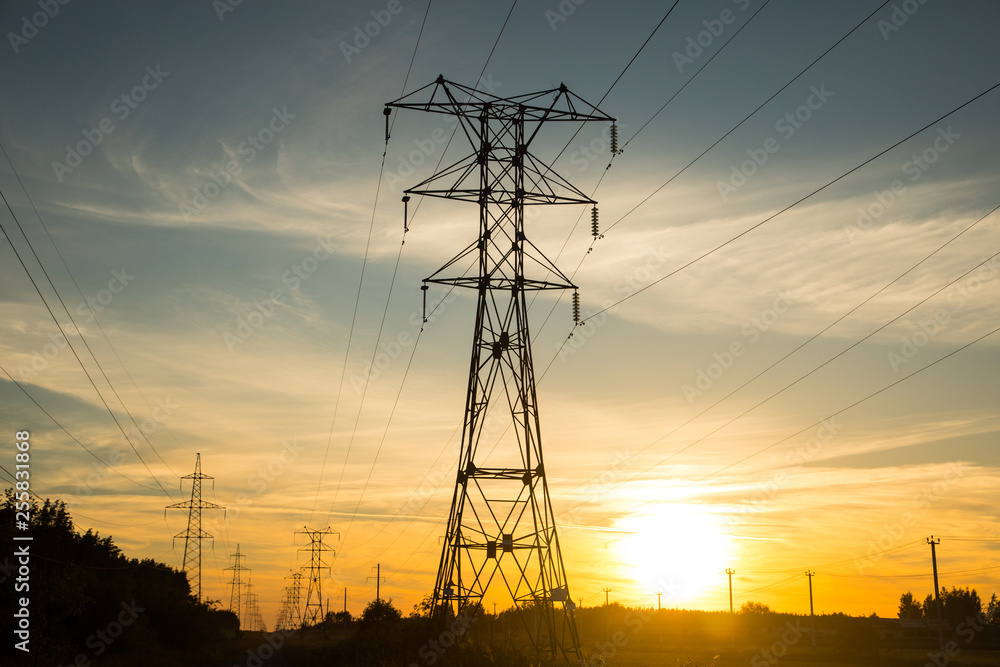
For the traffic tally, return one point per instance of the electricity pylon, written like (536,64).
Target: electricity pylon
(194,534)
(501,527)
(236,584)
(313,612)
(294,599)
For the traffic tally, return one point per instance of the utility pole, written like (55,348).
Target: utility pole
(236,585)
(732,615)
(730,572)
(658,594)
(313,612)
(607,615)
(501,525)
(937,591)
(345,599)
(812,619)
(378,580)
(194,534)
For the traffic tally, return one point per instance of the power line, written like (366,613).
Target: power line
(793,383)
(371,226)
(814,337)
(761,106)
(70,345)
(792,205)
(79,332)
(831,416)
(73,437)
(79,291)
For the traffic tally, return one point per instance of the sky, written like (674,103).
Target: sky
(786,361)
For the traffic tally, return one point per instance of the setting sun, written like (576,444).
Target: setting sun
(681,550)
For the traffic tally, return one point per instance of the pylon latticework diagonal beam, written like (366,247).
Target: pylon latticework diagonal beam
(501,528)
(194,534)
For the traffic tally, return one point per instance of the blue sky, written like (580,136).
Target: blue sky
(280,233)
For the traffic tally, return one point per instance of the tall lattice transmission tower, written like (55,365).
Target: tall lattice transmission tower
(501,527)
(252,617)
(236,585)
(312,614)
(290,616)
(194,534)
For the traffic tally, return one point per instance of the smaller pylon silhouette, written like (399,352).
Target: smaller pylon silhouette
(194,533)
(236,584)
(313,612)
(294,600)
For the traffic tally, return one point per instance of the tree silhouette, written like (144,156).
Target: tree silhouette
(908,607)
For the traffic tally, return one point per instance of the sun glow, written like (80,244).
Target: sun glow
(681,550)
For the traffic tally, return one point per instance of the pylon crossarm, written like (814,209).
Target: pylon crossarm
(520,105)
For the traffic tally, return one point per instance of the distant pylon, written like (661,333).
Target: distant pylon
(236,584)
(294,600)
(194,533)
(312,614)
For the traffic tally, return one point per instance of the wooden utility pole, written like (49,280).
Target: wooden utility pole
(937,591)
(812,619)
(732,617)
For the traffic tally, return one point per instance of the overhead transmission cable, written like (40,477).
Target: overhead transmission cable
(820,422)
(813,338)
(70,344)
(79,291)
(417,208)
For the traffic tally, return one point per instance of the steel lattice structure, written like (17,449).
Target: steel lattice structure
(194,533)
(312,613)
(501,527)
(236,584)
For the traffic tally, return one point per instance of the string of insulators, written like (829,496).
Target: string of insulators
(614,138)
(576,307)
(594,228)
